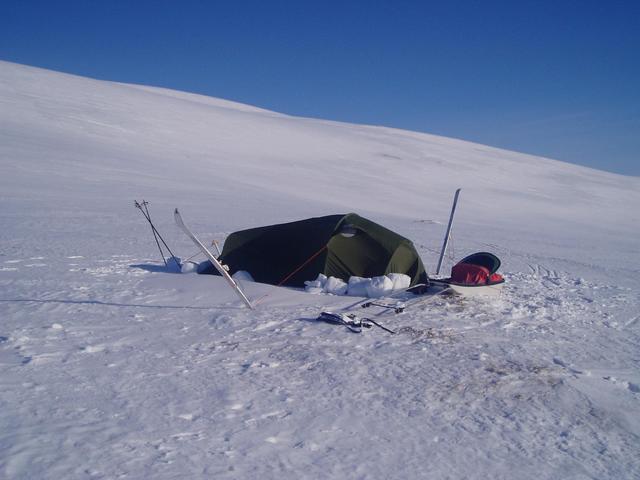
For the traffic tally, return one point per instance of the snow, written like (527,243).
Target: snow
(375,287)
(110,366)
(317,285)
(357,286)
(379,286)
(400,281)
(335,286)
(243,276)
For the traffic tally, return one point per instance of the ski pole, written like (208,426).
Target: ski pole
(148,217)
(448,234)
(153,230)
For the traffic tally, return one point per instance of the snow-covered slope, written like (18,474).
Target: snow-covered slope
(110,366)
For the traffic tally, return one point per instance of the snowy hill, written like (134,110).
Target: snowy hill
(110,366)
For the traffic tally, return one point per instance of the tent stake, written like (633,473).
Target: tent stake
(448,234)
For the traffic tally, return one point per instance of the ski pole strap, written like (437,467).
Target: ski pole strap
(302,266)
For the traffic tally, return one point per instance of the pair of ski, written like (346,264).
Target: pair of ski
(355,323)
(399,306)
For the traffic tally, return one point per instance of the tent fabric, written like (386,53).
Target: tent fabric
(336,245)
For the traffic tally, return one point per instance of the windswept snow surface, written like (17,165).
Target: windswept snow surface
(111,367)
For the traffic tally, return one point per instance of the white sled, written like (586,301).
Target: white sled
(492,289)
(466,285)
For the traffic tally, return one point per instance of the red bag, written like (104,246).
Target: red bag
(495,278)
(468,274)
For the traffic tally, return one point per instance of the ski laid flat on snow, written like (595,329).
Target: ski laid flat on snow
(213,259)
(399,306)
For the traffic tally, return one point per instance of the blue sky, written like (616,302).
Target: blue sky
(553,78)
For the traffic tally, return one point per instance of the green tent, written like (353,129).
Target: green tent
(336,245)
